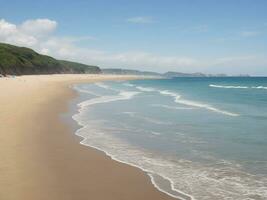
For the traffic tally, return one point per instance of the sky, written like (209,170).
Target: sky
(209,36)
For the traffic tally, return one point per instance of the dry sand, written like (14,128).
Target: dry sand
(41,158)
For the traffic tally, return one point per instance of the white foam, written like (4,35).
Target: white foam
(206,106)
(102,85)
(145,89)
(185,177)
(123,95)
(228,86)
(238,87)
(85,91)
(117,150)
(128,84)
(172,107)
(155,133)
(260,87)
(178,99)
(172,187)
(169,93)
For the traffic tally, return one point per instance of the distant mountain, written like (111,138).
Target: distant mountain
(170,74)
(129,72)
(179,74)
(16,60)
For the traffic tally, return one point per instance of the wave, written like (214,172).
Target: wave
(228,86)
(237,87)
(85,91)
(172,107)
(206,106)
(178,99)
(145,89)
(155,133)
(128,84)
(123,95)
(186,180)
(107,87)
(124,153)
(259,87)
(102,85)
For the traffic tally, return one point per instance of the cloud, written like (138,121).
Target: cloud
(10,33)
(141,60)
(38,35)
(141,20)
(26,34)
(6,28)
(38,27)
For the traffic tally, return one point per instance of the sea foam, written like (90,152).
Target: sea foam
(201,181)
(238,87)
(178,99)
(185,177)
(145,89)
(123,95)
(259,87)
(172,107)
(228,86)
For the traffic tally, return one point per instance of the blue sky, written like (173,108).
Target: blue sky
(226,36)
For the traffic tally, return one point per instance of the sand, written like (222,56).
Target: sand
(40,156)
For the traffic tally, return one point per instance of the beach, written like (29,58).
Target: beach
(41,157)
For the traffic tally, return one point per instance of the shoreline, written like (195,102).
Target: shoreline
(42,158)
(176,194)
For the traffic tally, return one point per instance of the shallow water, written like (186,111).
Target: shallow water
(197,138)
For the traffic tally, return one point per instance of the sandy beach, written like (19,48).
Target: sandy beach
(42,159)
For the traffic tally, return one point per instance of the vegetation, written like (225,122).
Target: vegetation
(23,61)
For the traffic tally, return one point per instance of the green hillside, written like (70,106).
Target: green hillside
(24,61)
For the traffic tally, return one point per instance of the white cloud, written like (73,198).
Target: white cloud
(141,20)
(38,27)
(38,34)
(140,60)
(6,28)
(26,34)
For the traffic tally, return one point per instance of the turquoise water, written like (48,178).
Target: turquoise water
(197,138)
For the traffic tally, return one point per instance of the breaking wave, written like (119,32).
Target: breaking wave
(237,87)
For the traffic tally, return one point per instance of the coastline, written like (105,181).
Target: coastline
(42,157)
(80,127)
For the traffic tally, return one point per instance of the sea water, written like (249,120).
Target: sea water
(197,138)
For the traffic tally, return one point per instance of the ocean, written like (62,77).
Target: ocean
(197,138)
